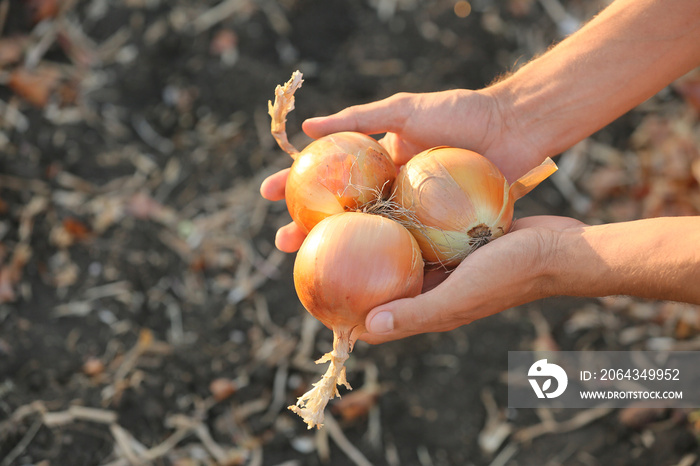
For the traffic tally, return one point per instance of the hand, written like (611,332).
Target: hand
(507,272)
(472,120)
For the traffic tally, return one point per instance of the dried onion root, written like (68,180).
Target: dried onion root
(311,405)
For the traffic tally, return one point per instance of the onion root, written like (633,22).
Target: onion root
(311,405)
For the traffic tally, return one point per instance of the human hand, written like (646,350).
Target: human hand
(509,271)
(472,120)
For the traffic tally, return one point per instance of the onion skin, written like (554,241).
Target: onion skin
(351,263)
(460,200)
(337,173)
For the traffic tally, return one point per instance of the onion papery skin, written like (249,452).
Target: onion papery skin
(353,262)
(337,173)
(460,201)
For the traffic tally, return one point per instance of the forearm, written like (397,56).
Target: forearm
(619,59)
(653,258)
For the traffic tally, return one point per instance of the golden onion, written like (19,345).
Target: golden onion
(337,173)
(459,201)
(349,264)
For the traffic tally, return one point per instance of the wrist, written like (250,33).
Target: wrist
(512,143)
(550,263)
(556,265)
(566,267)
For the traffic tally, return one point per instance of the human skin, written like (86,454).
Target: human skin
(623,56)
(545,256)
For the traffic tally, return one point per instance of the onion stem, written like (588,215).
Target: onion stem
(310,405)
(529,180)
(284,103)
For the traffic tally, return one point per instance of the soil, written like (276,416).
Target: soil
(138,259)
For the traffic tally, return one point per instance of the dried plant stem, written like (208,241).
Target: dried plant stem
(531,179)
(310,405)
(284,103)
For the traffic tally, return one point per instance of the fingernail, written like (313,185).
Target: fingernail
(383,322)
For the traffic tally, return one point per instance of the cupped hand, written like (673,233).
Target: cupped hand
(507,272)
(411,123)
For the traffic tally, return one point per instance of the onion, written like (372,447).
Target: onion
(349,264)
(459,201)
(337,173)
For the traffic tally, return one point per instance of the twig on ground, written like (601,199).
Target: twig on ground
(505,455)
(168,444)
(219,13)
(144,344)
(323,448)
(279,393)
(23,443)
(79,413)
(267,269)
(580,420)
(128,446)
(245,410)
(336,433)
(496,429)
(303,357)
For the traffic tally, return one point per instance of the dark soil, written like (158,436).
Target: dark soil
(152,270)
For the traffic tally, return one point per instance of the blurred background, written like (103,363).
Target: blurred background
(145,315)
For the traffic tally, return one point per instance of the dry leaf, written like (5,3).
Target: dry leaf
(93,366)
(222,388)
(76,228)
(357,404)
(223,42)
(11,273)
(520,8)
(144,207)
(42,9)
(35,86)
(7,292)
(640,416)
(12,49)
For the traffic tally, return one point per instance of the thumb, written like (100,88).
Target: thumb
(427,312)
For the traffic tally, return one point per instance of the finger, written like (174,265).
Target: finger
(272,188)
(428,312)
(373,118)
(401,151)
(548,221)
(289,238)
